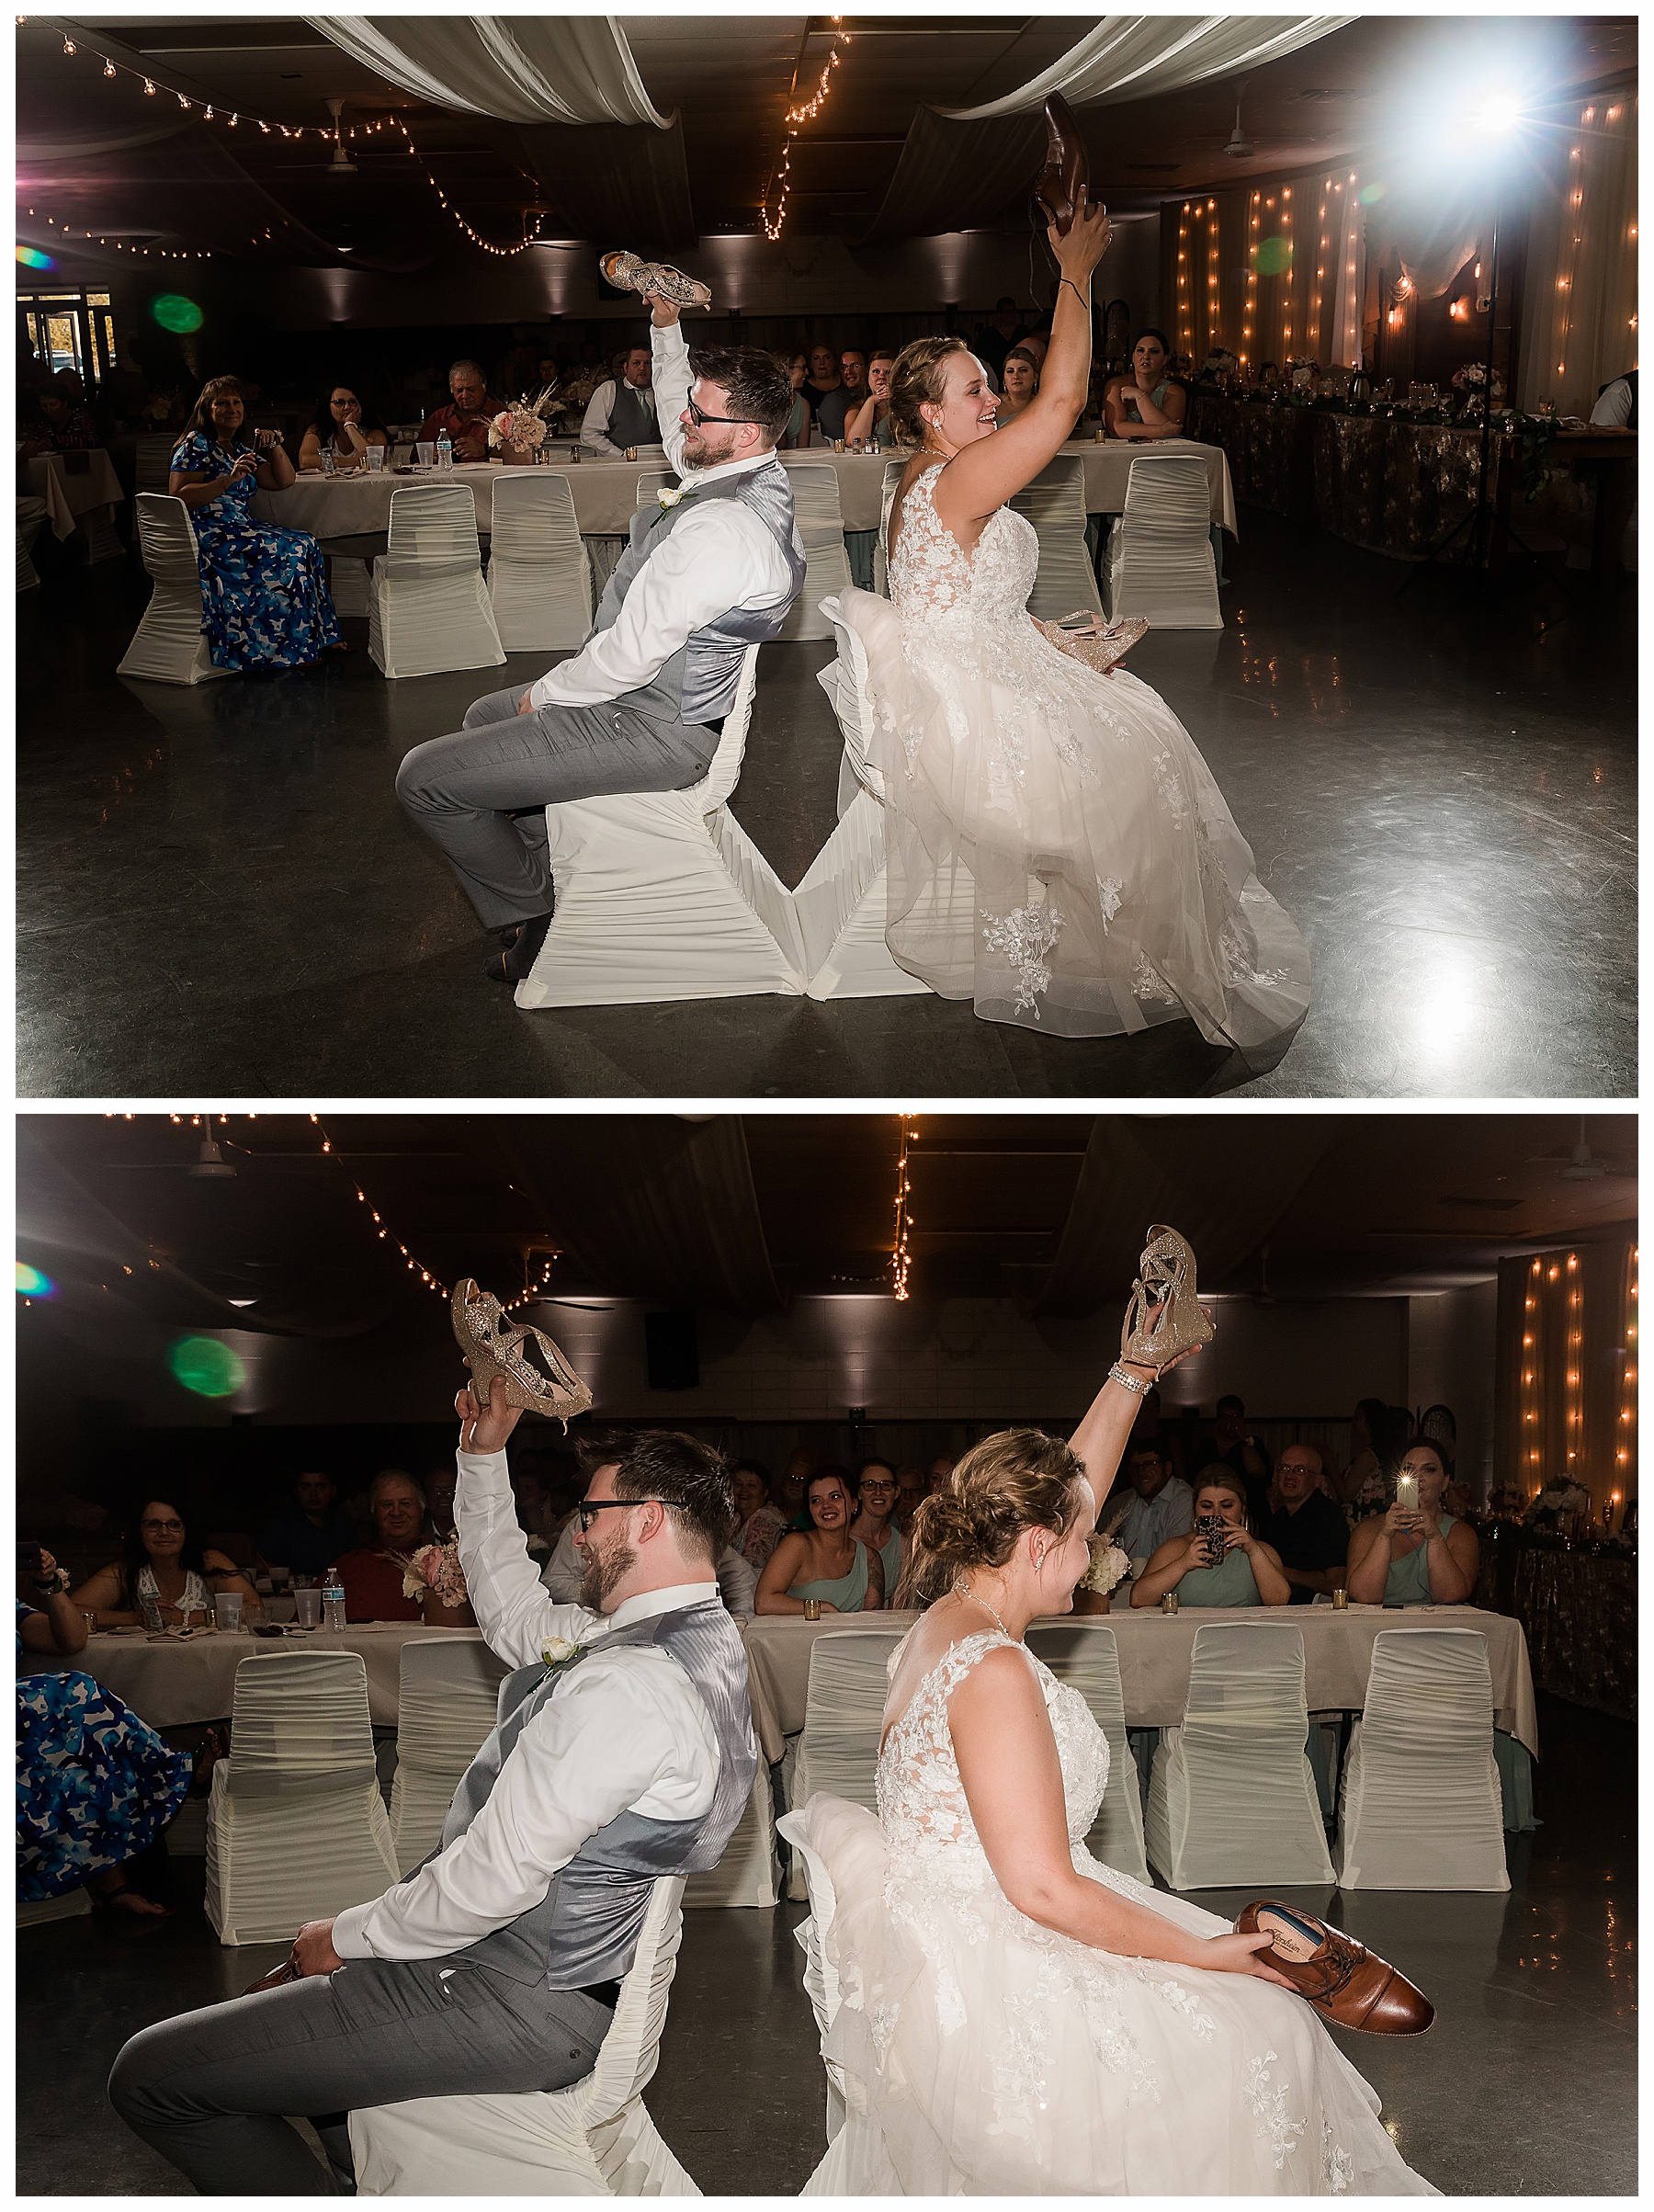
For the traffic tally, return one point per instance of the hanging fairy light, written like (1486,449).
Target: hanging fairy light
(383,1232)
(527,1295)
(780,176)
(1532,1465)
(139,253)
(1574,1370)
(1625,1448)
(900,1257)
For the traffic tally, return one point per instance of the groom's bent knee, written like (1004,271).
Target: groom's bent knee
(142,2067)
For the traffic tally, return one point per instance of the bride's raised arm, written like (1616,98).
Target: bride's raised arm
(987,472)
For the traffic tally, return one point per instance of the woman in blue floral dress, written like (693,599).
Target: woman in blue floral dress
(95,1784)
(263,589)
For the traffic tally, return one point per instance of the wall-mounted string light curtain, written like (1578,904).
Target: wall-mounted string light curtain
(1270,269)
(1579,324)
(1566,1372)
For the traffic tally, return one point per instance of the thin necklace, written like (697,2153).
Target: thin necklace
(962,1589)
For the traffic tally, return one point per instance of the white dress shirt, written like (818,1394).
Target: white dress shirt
(564,1571)
(1613,409)
(1146,1523)
(625,1731)
(600,407)
(718,556)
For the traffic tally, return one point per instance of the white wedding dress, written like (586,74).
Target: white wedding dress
(980,2054)
(1058,851)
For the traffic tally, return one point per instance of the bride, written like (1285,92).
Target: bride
(1058,852)
(1016,2019)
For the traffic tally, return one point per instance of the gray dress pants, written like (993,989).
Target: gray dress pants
(481,794)
(209,2089)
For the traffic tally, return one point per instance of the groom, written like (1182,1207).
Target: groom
(495,1965)
(641,705)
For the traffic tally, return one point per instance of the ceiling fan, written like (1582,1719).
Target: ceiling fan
(1240,147)
(1582,1165)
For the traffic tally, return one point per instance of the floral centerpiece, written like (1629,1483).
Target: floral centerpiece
(434,1576)
(519,430)
(1109,1567)
(1559,1501)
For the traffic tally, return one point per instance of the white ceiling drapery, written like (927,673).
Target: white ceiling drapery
(960,165)
(518,69)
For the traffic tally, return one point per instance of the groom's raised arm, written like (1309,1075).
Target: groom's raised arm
(671,378)
(514,1610)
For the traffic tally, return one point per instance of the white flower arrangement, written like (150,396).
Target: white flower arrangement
(523,422)
(1109,1566)
(436,1567)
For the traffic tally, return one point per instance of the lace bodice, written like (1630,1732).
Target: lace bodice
(935,582)
(922,1804)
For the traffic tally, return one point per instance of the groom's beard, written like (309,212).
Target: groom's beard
(702,452)
(604,1572)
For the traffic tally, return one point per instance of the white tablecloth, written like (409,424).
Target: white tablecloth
(172,1683)
(1155,1649)
(606,491)
(68,496)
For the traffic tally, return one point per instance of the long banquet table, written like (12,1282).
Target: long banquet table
(73,491)
(1155,1649)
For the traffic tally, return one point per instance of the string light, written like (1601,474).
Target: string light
(535,1290)
(782,173)
(900,1258)
(384,1233)
(1624,1453)
(139,253)
(1532,1464)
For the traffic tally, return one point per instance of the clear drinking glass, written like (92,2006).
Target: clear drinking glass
(425,452)
(308,1605)
(227,1610)
(149,1607)
(376,459)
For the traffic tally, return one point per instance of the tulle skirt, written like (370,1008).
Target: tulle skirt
(977,2054)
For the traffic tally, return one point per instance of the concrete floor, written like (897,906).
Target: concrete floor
(218,897)
(1527,2085)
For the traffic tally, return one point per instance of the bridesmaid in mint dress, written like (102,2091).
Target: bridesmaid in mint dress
(1249,1573)
(824,1562)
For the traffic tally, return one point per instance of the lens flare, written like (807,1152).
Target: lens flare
(31,1283)
(32,258)
(205,1366)
(175,312)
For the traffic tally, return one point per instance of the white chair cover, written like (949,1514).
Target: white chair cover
(881,559)
(594,2139)
(152,469)
(841,902)
(31,513)
(651,483)
(1088,1660)
(295,1827)
(37,1912)
(447,1703)
(748,1873)
(1420,1801)
(1159,560)
(349,585)
(1231,1797)
(540,580)
(1055,504)
(661,894)
(430,610)
(844,1710)
(170,644)
(821,522)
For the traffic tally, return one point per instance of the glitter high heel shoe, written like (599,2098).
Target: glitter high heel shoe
(1166,1281)
(628,274)
(529,1369)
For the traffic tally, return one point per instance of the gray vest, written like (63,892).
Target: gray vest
(585,1928)
(633,417)
(698,684)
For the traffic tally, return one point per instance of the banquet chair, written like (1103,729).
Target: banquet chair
(881,559)
(1055,504)
(593,2138)
(445,1707)
(821,524)
(540,580)
(430,610)
(169,645)
(152,469)
(841,901)
(663,895)
(1231,1797)
(1159,561)
(295,1827)
(1088,1660)
(844,1710)
(350,585)
(651,483)
(31,513)
(1421,1799)
(747,1873)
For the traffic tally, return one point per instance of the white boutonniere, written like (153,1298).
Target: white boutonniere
(669,498)
(560,1654)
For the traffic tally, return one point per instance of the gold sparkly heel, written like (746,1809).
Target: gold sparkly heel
(1166,1281)
(528,1366)
(629,273)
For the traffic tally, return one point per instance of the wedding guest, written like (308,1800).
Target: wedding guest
(1151,1427)
(1615,407)
(622,412)
(1307,1530)
(874,1523)
(309,1533)
(826,1564)
(1415,1556)
(517,369)
(439,1486)
(540,1515)
(1226,1566)
(372,1572)
(160,1563)
(789,1493)
(796,434)
(910,1491)
(760,1526)
(1037,343)
(1145,404)
(994,339)
(936,1474)
(64,423)
(1241,1452)
(465,418)
(1162,1506)
(339,422)
(1364,1459)
(1021,381)
(853,373)
(871,423)
(829,401)
(263,589)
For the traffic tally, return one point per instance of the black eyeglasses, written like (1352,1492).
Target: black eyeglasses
(588,1509)
(698,417)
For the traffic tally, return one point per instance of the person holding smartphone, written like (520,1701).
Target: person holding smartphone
(263,589)
(1415,1554)
(1219,1563)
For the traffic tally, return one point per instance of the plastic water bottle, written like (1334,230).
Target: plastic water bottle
(445,451)
(332,1602)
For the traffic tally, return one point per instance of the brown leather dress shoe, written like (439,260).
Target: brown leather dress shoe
(1342,1980)
(1060,189)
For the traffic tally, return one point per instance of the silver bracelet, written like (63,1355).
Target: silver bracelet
(1129,1382)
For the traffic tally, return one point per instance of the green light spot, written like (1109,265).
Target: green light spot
(31,1283)
(176,313)
(1371,195)
(205,1367)
(1274,256)
(32,258)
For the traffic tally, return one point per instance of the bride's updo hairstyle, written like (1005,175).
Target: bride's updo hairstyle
(1020,1479)
(919,379)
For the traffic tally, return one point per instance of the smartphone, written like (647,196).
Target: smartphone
(28,1559)
(1210,1527)
(1407,1492)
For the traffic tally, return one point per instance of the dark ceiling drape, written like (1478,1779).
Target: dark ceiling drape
(617,184)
